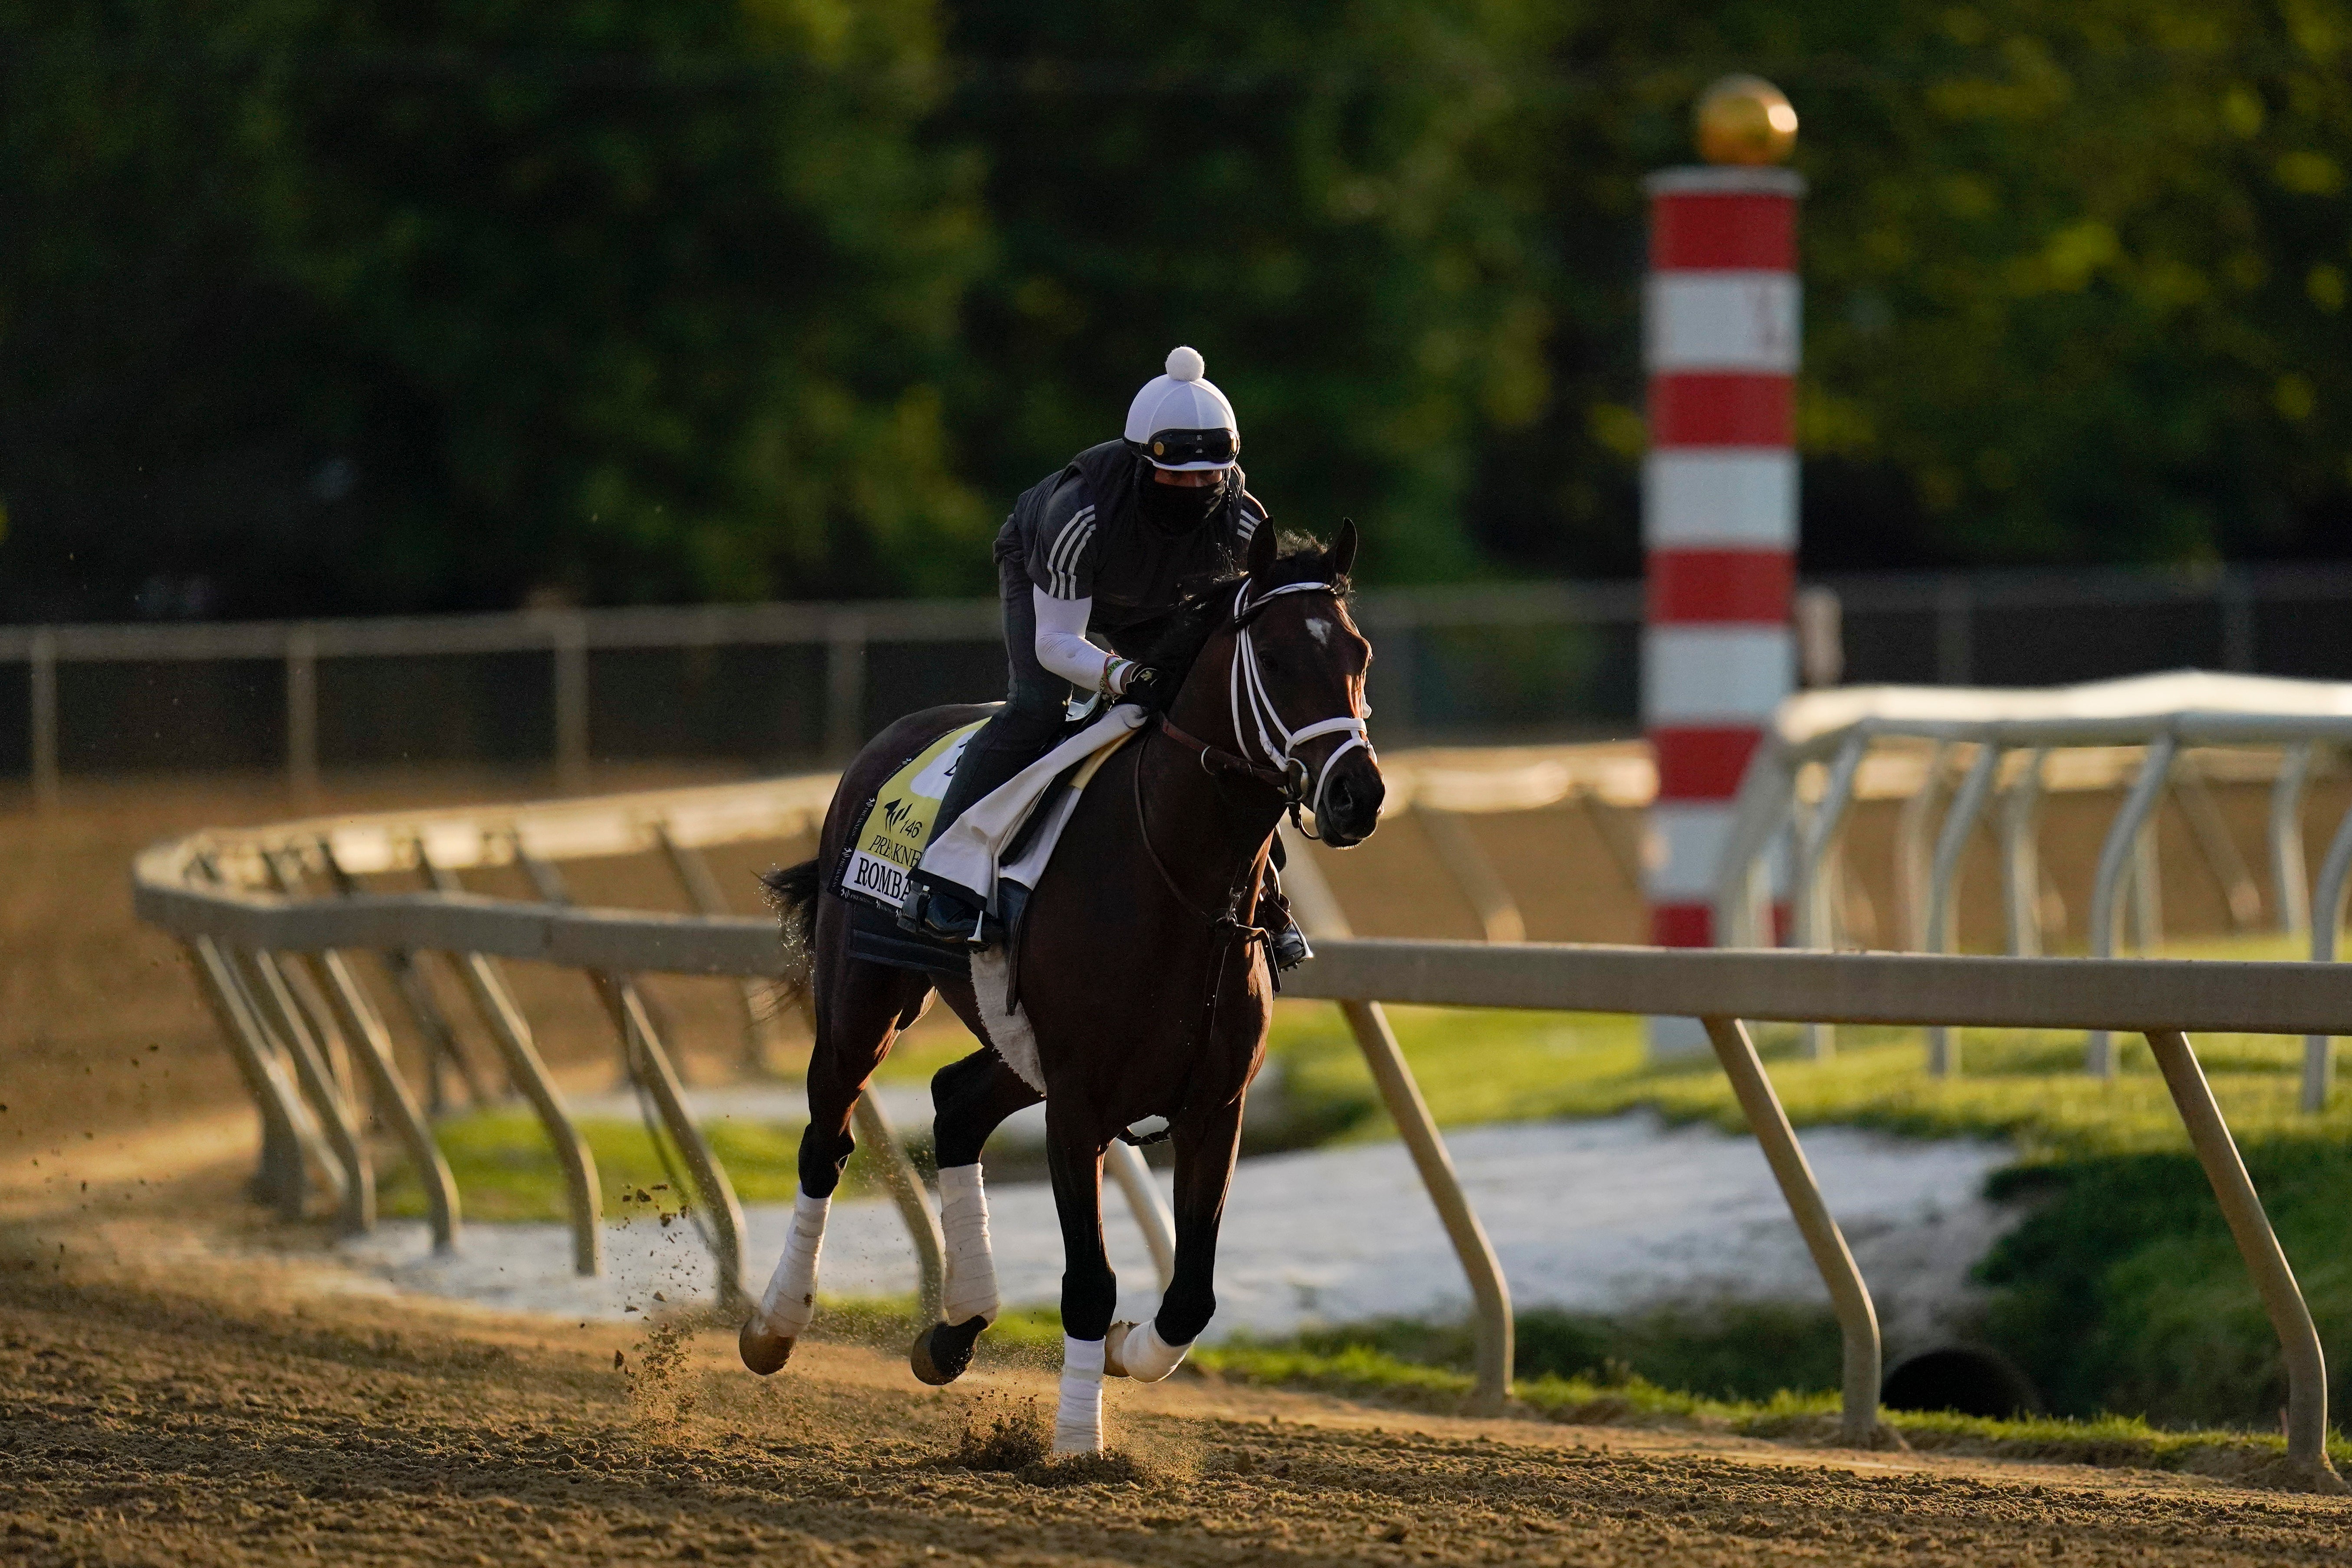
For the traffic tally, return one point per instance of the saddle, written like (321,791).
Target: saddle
(997,850)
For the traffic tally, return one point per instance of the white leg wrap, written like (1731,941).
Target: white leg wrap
(791,1298)
(972,1269)
(1140,1353)
(1077,1421)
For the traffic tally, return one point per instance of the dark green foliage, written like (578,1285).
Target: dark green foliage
(362,306)
(2124,1292)
(311,308)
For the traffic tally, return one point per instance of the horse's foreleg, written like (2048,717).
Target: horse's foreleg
(1205,1148)
(970,1100)
(858,1016)
(1073,1150)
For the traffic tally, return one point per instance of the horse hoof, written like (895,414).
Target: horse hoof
(762,1352)
(941,1353)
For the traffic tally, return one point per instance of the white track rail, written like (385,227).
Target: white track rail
(241,901)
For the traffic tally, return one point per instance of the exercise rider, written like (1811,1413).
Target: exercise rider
(1109,545)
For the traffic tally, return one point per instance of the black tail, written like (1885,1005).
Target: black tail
(791,893)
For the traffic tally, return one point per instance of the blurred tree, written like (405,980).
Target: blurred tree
(1334,203)
(366,307)
(437,304)
(2077,274)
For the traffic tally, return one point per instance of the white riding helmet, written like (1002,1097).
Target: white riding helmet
(1180,420)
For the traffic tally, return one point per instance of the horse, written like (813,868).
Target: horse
(1138,963)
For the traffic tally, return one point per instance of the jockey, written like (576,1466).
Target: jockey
(1109,544)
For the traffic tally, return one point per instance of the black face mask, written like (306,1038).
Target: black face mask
(1179,509)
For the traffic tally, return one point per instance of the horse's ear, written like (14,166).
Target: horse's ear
(1261,546)
(1342,553)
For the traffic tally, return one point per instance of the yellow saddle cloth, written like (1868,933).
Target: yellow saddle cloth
(897,823)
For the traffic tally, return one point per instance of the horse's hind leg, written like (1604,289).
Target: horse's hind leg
(1074,1151)
(970,1098)
(860,1011)
(1205,1170)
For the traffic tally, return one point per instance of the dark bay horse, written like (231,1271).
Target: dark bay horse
(1142,970)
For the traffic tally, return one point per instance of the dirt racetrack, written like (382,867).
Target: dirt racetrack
(181,1382)
(180,1408)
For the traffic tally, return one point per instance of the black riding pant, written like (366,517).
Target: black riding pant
(1035,704)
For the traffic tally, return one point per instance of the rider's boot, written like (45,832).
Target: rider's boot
(1009,742)
(1285,945)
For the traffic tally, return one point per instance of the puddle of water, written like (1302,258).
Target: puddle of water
(1593,1215)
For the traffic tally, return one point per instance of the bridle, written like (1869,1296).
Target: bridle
(1284,770)
(1245,689)
(1259,725)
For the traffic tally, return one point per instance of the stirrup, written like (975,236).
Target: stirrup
(1288,947)
(943,916)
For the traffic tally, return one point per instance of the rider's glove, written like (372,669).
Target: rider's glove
(1147,686)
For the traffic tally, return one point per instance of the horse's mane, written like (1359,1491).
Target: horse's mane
(1202,612)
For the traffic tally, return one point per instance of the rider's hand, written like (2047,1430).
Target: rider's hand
(1147,686)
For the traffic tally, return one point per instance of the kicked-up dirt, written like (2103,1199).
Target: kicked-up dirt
(158,1405)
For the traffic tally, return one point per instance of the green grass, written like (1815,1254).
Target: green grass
(1360,1372)
(2122,1290)
(1418,1367)
(507,1172)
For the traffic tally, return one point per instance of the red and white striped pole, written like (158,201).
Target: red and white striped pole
(1718,498)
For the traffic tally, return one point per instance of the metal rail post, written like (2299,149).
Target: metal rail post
(512,1030)
(1955,631)
(1809,900)
(702,891)
(1144,1201)
(2250,1226)
(2115,857)
(569,639)
(1489,898)
(1943,887)
(872,1127)
(1857,1318)
(2327,918)
(652,1066)
(357,1018)
(2290,885)
(302,713)
(41,673)
(845,687)
(2021,858)
(357,1209)
(1914,829)
(2206,825)
(1318,911)
(433,1026)
(285,1131)
(2144,888)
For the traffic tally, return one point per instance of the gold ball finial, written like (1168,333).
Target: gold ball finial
(1744,120)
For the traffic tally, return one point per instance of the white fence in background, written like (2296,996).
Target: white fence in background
(2163,732)
(1951,629)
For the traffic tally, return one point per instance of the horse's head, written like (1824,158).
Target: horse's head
(1283,675)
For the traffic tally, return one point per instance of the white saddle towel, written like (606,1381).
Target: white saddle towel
(967,853)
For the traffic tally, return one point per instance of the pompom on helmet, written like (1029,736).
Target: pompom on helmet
(1180,421)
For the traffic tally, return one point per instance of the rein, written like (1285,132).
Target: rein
(1287,777)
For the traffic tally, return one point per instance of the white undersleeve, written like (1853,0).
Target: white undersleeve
(1062,645)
